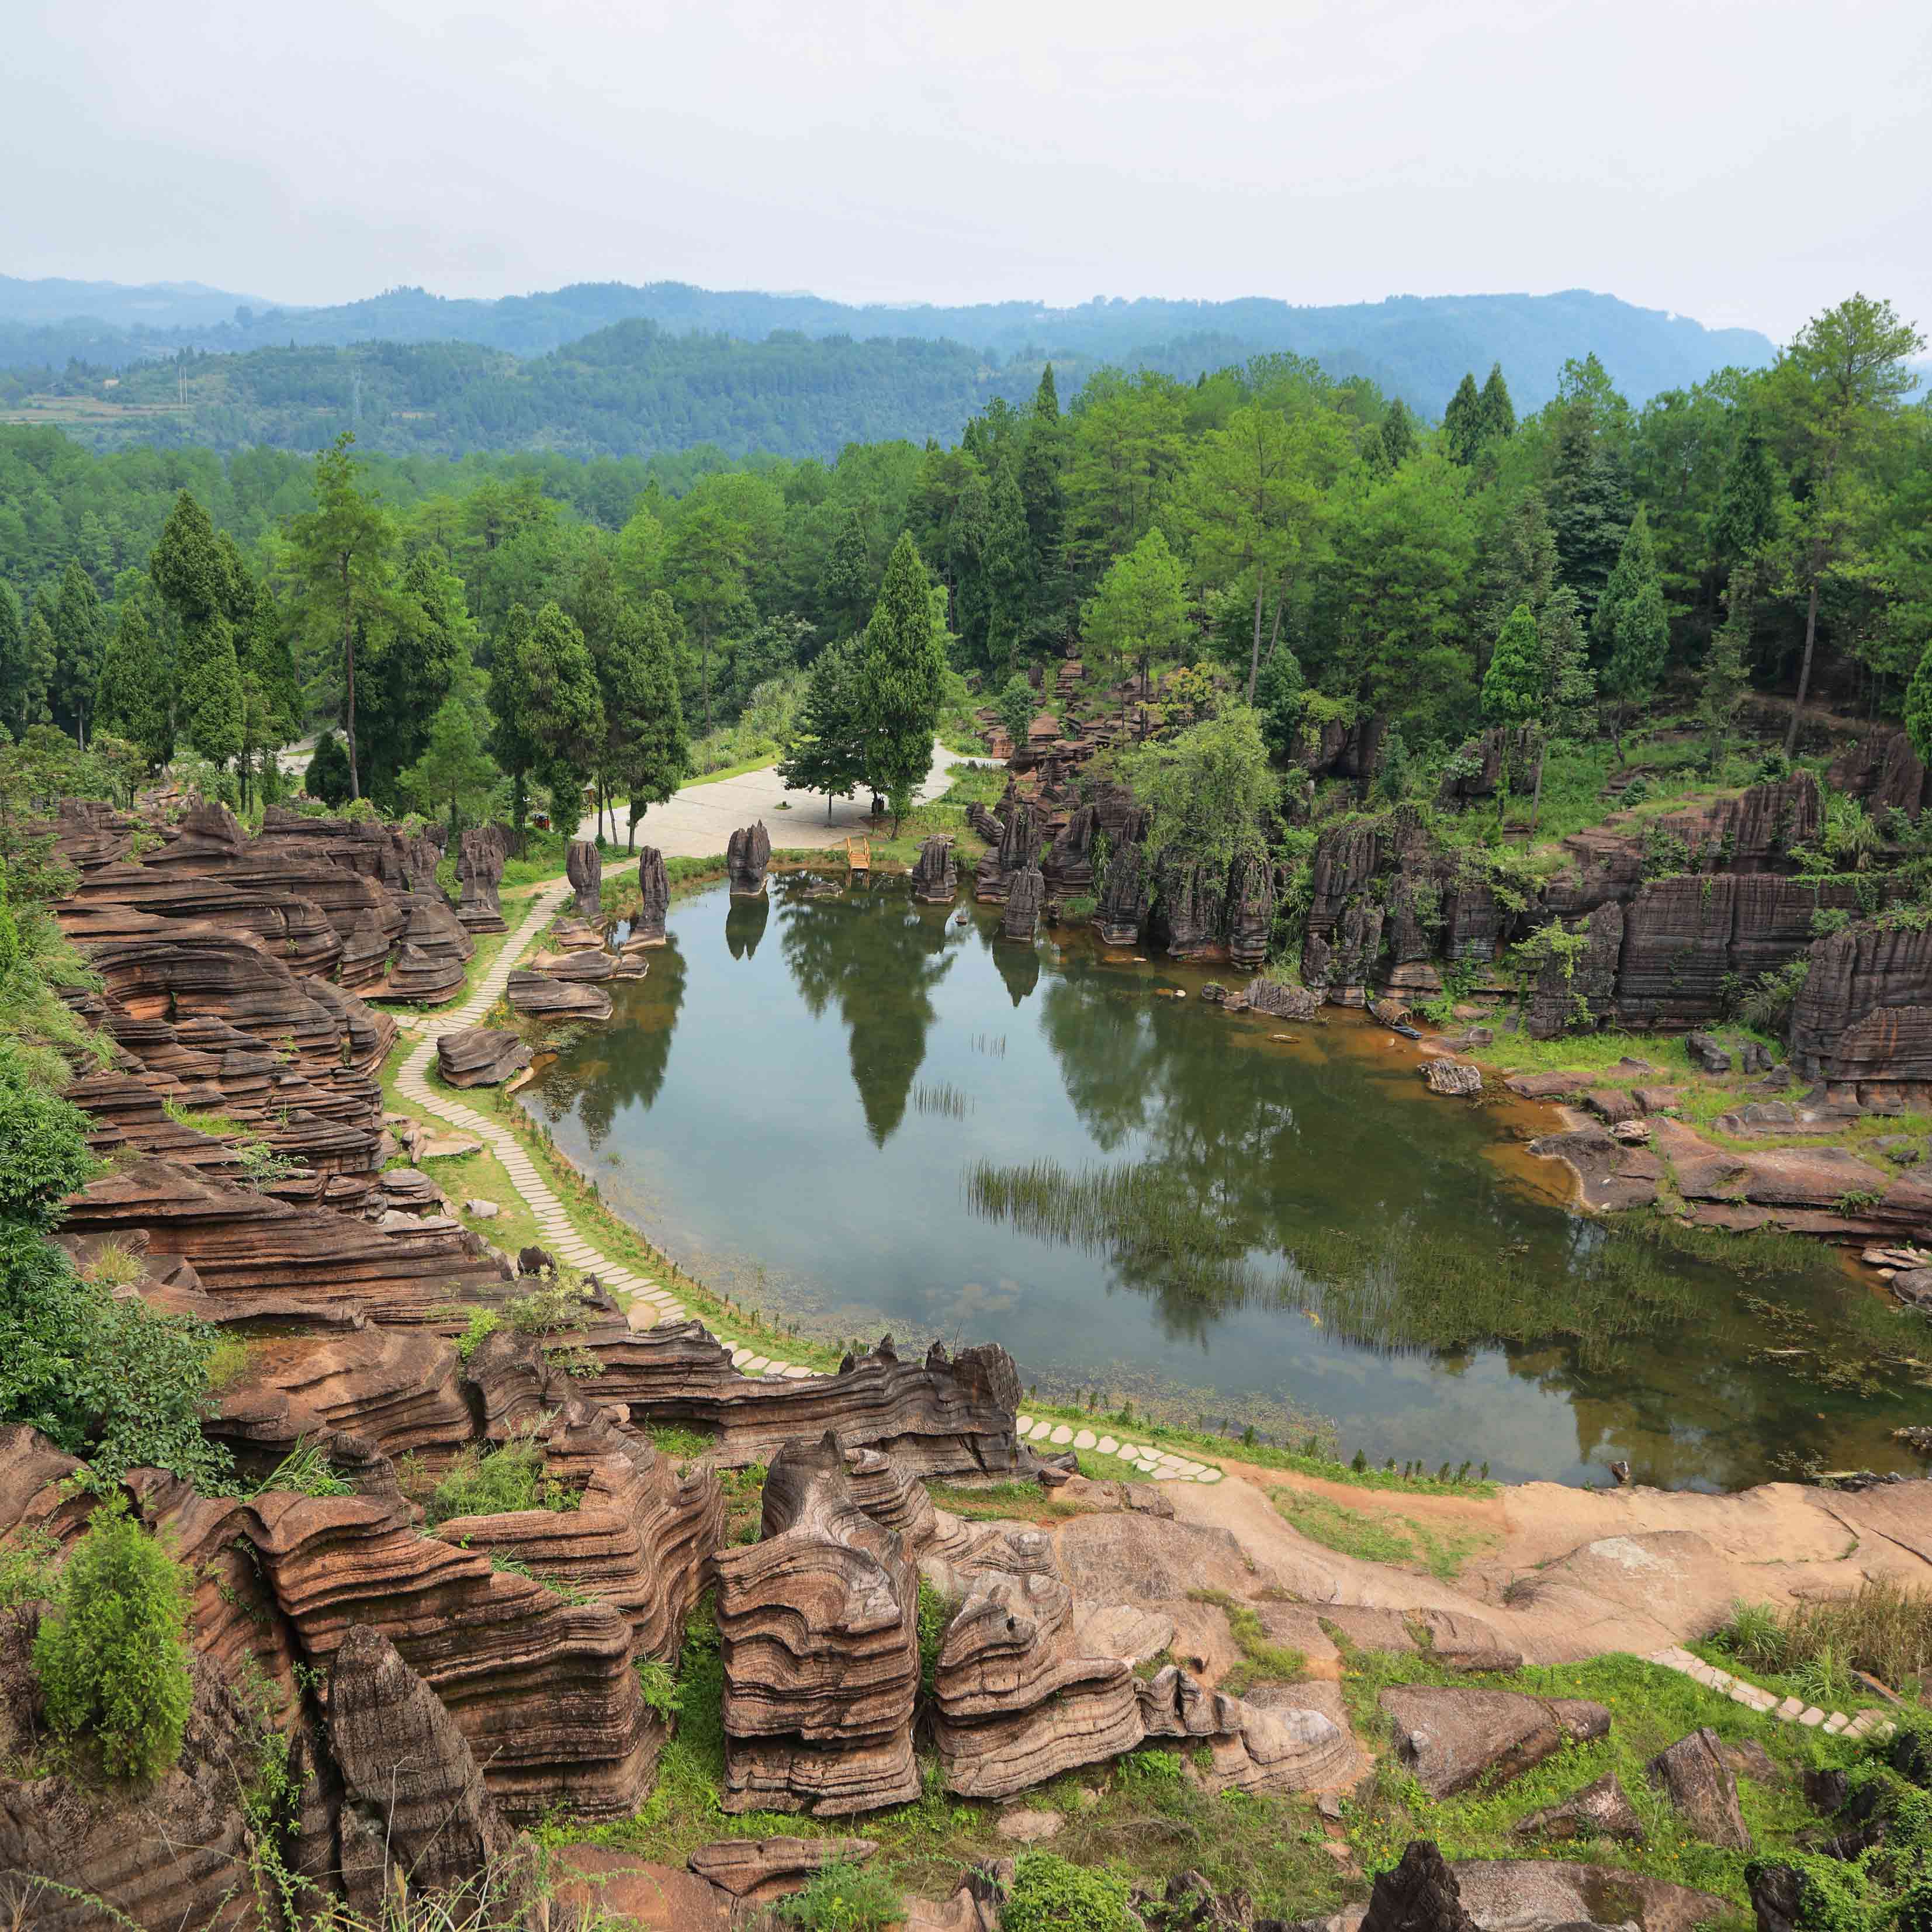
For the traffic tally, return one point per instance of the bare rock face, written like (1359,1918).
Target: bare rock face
(544,996)
(746,856)
(1883,770)
(1580,990)
(1190,909)
(1864,1018)
(818,1624)
(1017,849)
(1461,1078)
(1026,895)
(481,854)
(1599,1811)
(1250,913)
(480,1056)
(1122,907)
(1018,1702)
(1514,1892)
(419,1805)
(1420,1895)
(1451,1736)
(1068,866)
(1694,1775)
(935,876)
(654,892)
(583,866)
(763,1868)
(1280,1002)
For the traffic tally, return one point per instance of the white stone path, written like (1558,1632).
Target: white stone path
(1754,1697)
(649,1304)
(1162,1465)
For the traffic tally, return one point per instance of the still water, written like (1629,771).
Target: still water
(816,1103)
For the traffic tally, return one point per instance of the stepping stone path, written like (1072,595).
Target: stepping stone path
(1788,1710)
(649,1304)
(1162,1465)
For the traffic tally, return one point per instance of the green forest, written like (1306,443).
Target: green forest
(1307,543)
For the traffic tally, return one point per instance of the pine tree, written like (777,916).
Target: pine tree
(14,666)
(1513,685)
(1139,613)
(1010,574)
(191,573)
(1496,413)
(649,755)
(454,772)
(511,743)
(327,777)
(1726,678)
(1043,499)
(1397,435)
(1462,421)
(1631,627)
(41,653)
(831,751)
(565,714)
(1746,518)
(1569,685)
(903,680)
(845,584)
(132,697)
(79,639)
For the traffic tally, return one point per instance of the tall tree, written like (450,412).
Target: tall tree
(342,551)
(1588,489)
(831,753)
(1513,685)
(564,713)
(1495,413)
(453,773)
(648,756)
(1838,392)
(79,638)
(903,677)
(413,661)
(1631,628)
(1745,520)
(1139,613)
(1725,679)
(1396,436)
(1011,571)
(1462,421)
(512,741)
(191,571)
(1043,487)
(706,565)
(133,696)
(15,694)
(845,587)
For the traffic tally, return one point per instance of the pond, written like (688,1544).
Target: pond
(864,1114)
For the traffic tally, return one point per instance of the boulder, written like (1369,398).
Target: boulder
(583,866)
(1694,1775)
(1460,1078)
(480,1056)
(746,856)
(1419,1894)
(412,1805)
(647,928)
(1599,1811)
(1612,1105)
(1451,1737)
(935,878)
(1282,1002)
(1705,1053)
(1026,895)
(544,998)
(1514,1892)
(763,1868)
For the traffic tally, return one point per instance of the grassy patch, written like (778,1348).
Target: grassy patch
(1382,1539)
(1811,1649)
(1003,1502)
(1263,1660)
(1650,1708)
(497,1482)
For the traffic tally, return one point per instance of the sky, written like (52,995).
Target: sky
(1744,163)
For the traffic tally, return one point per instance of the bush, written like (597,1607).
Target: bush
(1886,1631)
(500,1482)
(328,775)
(844,1898)
(43,1152)
(111,1658)
(1050,1895)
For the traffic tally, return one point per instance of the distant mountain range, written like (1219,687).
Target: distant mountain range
(1415,346)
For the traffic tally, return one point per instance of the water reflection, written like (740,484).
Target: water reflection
(1383,1265)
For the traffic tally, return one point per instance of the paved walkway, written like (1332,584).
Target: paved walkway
(649,1304)
(698,823)
(1755,1697)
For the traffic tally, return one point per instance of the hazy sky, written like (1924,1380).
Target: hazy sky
(1741,163)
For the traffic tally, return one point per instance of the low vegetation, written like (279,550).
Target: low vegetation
(1884,1629)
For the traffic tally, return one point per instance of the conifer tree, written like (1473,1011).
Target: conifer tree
(455,773)
(133,696)
(511,742)
(1496,413)
(1010,572)
(649,755)
(845,584)
(830,752)
(1513,685)
(1043,499)
(564,713)
(40,654)
(1726,678)
(191,573)
(1462,421)
(1397,435)
(80,636)
(903,680)
(1139,613)
(1746,518)
(13,667)
(1631,627)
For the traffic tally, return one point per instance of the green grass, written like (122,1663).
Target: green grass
(1885,1629)
(762,762)
(1380,1539)
(1650,1708)
(497,1482)
(1263,1660)
(1003,1502)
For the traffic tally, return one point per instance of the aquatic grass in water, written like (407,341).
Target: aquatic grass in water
(941,1097)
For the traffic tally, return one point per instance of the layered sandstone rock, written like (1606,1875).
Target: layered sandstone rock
(1863,1019)
(583,866)
(935,876)
(1026,897)
(818,1625)
(544,996)
(1017,850)
(654,899)
(481,853)
(1123,906)
(1250,913)
(1068,865)
(480,1056)
(746,857)
(1450,1737)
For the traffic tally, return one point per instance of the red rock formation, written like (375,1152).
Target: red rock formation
(1124,901)
(1864,1019)
(481,854)
(544,996)
(1026,895)
(583,866)
(1882,769)
(654,890)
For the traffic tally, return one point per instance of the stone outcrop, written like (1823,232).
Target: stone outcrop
(583,866)
(1694,1775)
(1124,900)
(1068,864)
(411,1802)
(1281,1002)
(818,1628)
(481,853)
(1026,897)
(1863,1021)
(757,1869)
(935,876)
(543,996)
(654,899)
(746,857)
(1450,1737)
(1419,1894)
(480,1056)
(1017,850)
(1190,909)
(1461,1078)
(1250,913)
(1599,1811)
(1882,771)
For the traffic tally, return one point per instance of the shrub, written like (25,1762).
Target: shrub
(498,1482)
(43,1148)
(1050,1895)
(111,1658)
(484,1322)
(844,1898)
(305,1470)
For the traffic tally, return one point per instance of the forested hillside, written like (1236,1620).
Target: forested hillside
(1413,346)
(1348,566)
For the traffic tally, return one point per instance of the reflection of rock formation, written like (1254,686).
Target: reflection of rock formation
(745,923)
(1019,968)
(746,857)
(881,960)
(654,891)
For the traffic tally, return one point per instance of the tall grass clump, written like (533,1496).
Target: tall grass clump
(941,1097)
(1885,1630)
(499,1482)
